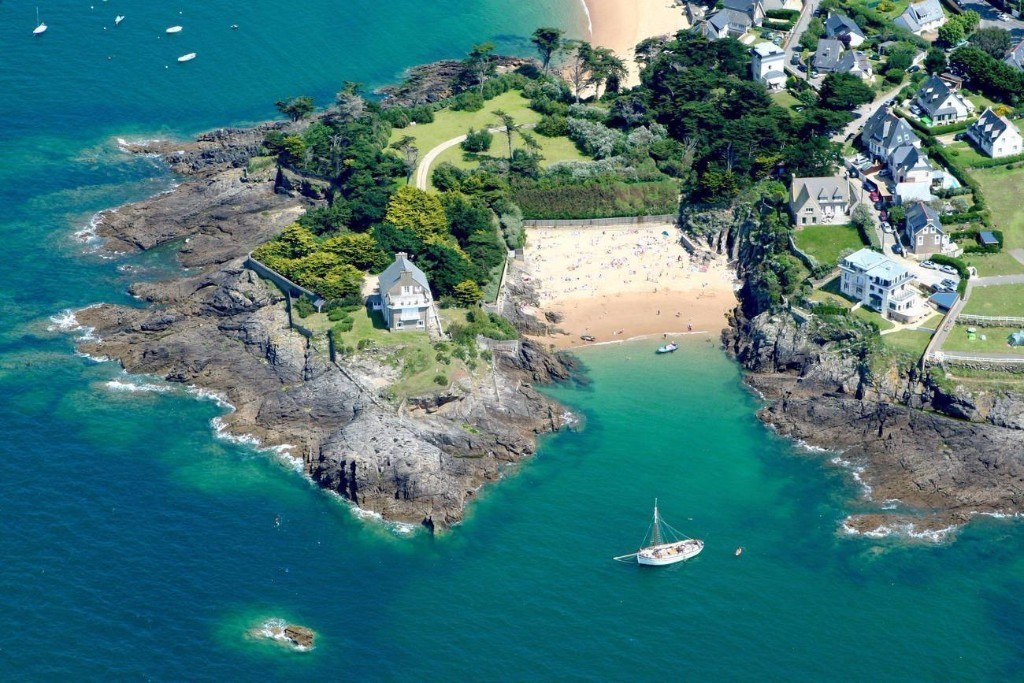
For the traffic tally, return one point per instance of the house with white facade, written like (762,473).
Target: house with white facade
(941,103)
(995,135)
(726,23)
(884,132)
(1015,58)
(768,65)
(813,201)
(403,296)
(879,283)
(844,29)
(923,230)
(919,17)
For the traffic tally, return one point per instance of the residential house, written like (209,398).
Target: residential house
(908,164)
(1016,56)
(820,200)
(844,29)
(794,5)
(752,8)
(827,56)
(884,132)
(768,65)
(856,63)
(923,230)
(879,283)
(941,103)
(995,135)
(726,23)
(919,17)
(403,296)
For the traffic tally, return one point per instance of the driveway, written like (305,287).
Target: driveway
(792,44)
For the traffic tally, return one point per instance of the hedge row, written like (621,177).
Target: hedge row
(961,267)
(965,217)
(598,200)
(790,15)
(934,130)
(1003,161)
(778,25)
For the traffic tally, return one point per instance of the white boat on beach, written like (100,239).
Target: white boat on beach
(40,26)
(118,19)
(664,545)
(668,348)
(174,29)
(187,58)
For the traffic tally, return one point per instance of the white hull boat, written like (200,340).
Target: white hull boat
(174,29)
(118,19)
(664,545)
(187,58)
(40,26)
(668,348)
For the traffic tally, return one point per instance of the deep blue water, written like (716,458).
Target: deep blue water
(137,544)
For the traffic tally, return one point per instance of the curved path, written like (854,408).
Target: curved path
(423,168)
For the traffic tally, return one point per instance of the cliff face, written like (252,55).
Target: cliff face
(223,329)
(946,456)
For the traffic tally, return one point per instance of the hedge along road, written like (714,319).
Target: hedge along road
(423,169)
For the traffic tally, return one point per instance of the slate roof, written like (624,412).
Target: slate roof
(937,98)
(989,127)
(820,189)
(393,273)
(920,14)
(745,6)
(854,61)
(828,54)
(838,25)
(888,131)
(919,217)
(729,19)
(1016,56)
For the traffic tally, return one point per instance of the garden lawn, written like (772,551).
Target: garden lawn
(996,300)
(870,316)
(966,154)
(1001,188)
(826,242)
(911,342)
(992,264)
(994,341)
(784,98)
(449,124)
(552,149)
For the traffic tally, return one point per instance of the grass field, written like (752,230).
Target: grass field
(994,340)
(996,300)
(870,316)
(826,242)
(552,149)
(966,154)
(1002,192)
(994,264)
(910,342)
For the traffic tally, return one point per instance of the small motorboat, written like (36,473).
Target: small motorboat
(118,19)
(668,348)
(187,58)
(588,338)
(174,29)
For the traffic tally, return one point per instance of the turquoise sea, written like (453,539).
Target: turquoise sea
(135,544)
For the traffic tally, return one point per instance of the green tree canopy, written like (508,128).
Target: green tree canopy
(935,61)
(418,211)
(467,293)
(548,41)
(844,92)
(994,41)
(296,108)
(358,249)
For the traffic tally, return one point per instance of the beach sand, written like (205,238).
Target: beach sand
(618,283)
(620,24)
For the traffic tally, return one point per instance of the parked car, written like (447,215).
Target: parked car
(949,270)
(875,196)
(883,215)
(887,228)
(879,205)
(814,73)
(897,249)
(959,136)
(949,284)
(777,40)
(795,59)
(870,186)
(929,264)
(914,69)
(802,67)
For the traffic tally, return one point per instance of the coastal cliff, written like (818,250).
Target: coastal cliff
(222,328)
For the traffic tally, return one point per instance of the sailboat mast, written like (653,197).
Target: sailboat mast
(656,527)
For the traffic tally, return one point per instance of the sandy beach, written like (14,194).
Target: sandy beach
(620,24)
(618,283)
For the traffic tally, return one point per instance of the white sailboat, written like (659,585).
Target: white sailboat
(40,26)
(664,545)
(187,58)
(118,19)
(174,29)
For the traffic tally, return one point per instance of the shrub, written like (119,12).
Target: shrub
(477,140)
(599,198)
(961,267)
(552,126)
(585,111)
(303,306)
(422,113)
(363,343)
(441,379)
(467,101)
(595,139)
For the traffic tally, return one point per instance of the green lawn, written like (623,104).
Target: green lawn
(993,264)
(910,342)
(1002,192)
(965,153)
(981,102)
(826,242)
(552,149)
(449,124)
(785,99)
(996,300)
(994,340)
(870,316)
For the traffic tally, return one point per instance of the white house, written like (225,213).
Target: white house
(845,29)
(995,135)
(820,200)
(726,23)
(768,65)
(403,296)
(879,283)
(941,103)
(919,17)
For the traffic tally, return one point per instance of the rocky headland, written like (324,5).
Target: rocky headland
(222,328)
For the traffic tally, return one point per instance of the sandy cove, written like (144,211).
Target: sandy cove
(622,282)
(620,24)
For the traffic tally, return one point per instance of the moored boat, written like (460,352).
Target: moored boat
(668,348)
(174,29)
(118,19)
(187,58)
(41,27)
(664,545)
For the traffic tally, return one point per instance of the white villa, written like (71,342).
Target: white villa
(767,65)
(995,135)
(403,296)
(879,283)
(942,103)
(820,200)
(919,17)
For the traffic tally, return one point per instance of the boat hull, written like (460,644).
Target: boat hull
(669,553)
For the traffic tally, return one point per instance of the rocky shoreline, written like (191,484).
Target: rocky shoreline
(222,328)
(928,460)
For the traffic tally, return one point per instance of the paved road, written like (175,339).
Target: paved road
(990,18)
(998,280)
(792,43)
(866,111)
(422,181)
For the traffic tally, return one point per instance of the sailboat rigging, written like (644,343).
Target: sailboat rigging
(664,545)
(40,26)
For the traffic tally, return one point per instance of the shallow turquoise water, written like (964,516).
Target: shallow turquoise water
(137,544)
